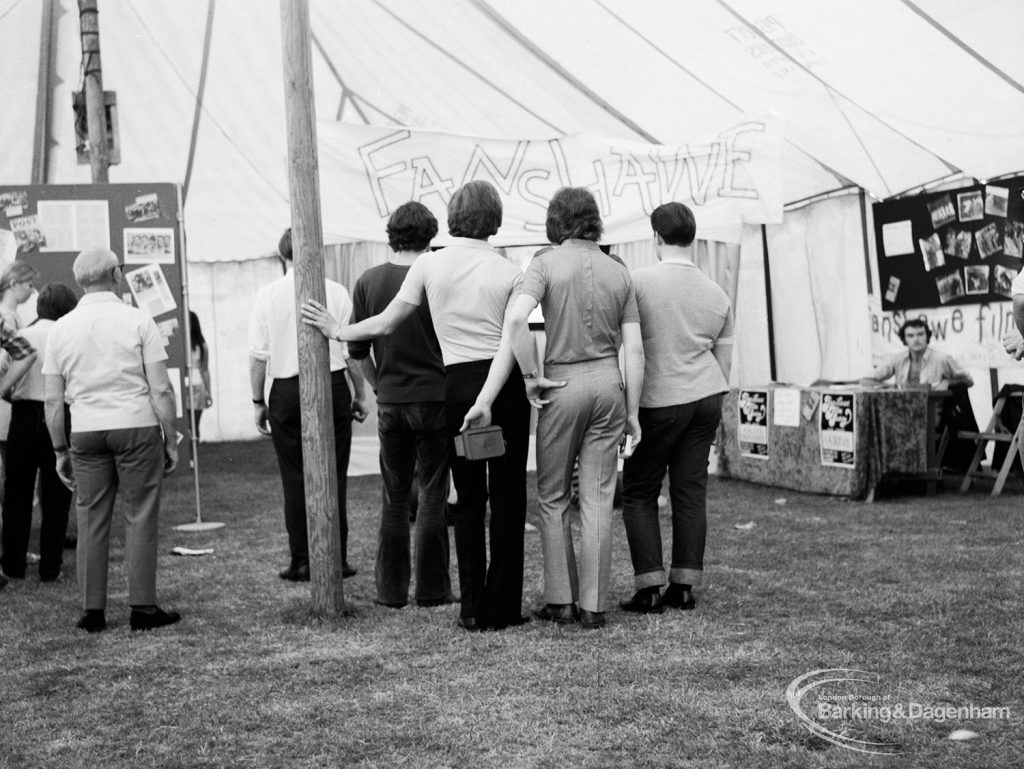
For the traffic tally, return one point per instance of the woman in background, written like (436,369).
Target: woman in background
(16,287)
(31,451)
(199,370)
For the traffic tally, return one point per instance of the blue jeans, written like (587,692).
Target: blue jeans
(411,435)
(677,438)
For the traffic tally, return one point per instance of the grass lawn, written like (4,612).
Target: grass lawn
(922,593)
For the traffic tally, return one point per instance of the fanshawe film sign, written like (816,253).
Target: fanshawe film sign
(729,179)
(836,429)
(752,408)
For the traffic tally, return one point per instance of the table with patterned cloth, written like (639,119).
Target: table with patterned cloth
(893,434)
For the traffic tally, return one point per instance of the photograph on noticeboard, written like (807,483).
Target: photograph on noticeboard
(971,206)
(1002,280)
(942,211)
(976,278)
(950,287)
(996,200)
(958,243)
(149,245)
(989,240)
(1013,239)
(931,252)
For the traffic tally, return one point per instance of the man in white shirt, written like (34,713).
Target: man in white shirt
(273,349)
(106,359)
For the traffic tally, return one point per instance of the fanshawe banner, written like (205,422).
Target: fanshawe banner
(836,432)
(752,435)
(971,333)
(729,179)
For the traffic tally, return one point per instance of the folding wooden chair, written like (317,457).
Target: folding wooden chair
(997,433)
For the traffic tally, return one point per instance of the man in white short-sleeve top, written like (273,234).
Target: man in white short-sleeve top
(107,361)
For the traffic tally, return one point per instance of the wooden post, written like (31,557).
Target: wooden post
(319,466)
(96,113)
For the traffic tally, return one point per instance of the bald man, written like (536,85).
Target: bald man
(107,360)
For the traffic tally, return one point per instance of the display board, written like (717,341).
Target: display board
(48,225)
(962,246)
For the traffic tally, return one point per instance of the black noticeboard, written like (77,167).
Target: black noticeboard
(962,246)
(48,225)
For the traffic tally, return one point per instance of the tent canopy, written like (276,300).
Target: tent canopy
(887,95)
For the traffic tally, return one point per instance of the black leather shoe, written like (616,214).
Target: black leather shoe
(93,621)
(295,573)
(646,601)
(677,597)
(592,620)
(472,624)
(346,571)
(390,605)
(143,620)
(560,613)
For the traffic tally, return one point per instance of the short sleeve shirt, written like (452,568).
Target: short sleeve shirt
(468,286)
(273,333)
(101,349)
(586,296)
(684,315)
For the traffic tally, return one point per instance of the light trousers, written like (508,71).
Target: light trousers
(583,420)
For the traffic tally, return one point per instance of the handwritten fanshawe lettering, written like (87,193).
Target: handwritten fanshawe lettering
(398,170)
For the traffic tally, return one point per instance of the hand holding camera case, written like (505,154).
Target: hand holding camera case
(480,443)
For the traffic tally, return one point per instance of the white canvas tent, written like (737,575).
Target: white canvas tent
(881,95)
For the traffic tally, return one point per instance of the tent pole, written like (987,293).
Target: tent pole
(44,109)
(864,233)
(96,113)
(768,304)
(315,405)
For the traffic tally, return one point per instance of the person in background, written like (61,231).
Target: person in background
(199,389)
(589,311)
(107,360)
(273,349)
(18,348)
(469,286)
(406,372)
(17,283)
(919,364)
(687,325)
(31,451)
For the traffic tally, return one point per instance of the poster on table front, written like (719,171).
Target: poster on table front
(752,408)
(836,433)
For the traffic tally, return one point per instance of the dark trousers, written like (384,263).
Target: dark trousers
(412,434)
(677,438)
(29,450)
(493,594)
(286,432)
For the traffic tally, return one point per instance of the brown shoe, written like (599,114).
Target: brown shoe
(592,620)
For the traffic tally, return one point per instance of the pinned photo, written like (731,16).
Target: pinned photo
(942,211)
(931,252)
(893,290)
(958,243)
(13,203)
(989,240)
(1002,280)
(144,208)
(950,287)
(150,290)
(976,279)
(971,206)
(1013,239)
(996,200)
(28,233)
(149,245)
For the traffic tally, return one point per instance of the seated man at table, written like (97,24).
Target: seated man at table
(919,364)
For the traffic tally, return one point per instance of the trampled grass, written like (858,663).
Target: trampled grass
(922,593)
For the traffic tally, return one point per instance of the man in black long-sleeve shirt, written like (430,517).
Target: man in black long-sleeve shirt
(407,374)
